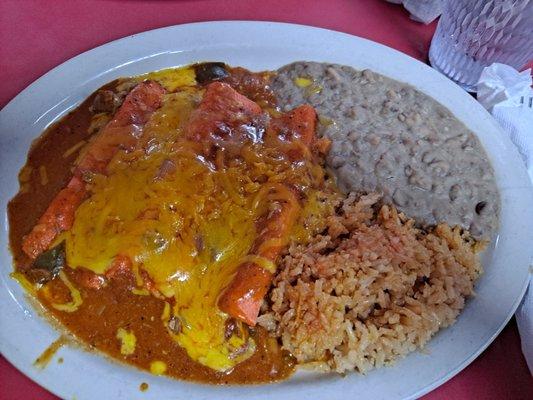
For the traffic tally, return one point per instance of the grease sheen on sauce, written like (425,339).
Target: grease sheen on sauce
(112,307)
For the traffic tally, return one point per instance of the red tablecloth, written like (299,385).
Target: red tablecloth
(35,36)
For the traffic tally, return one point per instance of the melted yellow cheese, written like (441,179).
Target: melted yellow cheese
(302,82)
(307,84)
(75,295)
(185,223)
(172,78)
(24,282)
(158,367)
(140,292)
(127,341)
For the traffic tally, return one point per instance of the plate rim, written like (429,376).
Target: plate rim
(35,376)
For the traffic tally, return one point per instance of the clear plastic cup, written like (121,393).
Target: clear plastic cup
(472,34)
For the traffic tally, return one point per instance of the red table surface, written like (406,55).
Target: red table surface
(35,36)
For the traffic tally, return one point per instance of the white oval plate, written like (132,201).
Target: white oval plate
(25,334)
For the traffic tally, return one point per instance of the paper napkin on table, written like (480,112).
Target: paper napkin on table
(505,92)
(424,11)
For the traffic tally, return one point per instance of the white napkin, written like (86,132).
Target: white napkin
(505,92)
(423,11)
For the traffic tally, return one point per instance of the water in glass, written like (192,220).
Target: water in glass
(472,34)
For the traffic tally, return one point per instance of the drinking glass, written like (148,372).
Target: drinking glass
(472,34)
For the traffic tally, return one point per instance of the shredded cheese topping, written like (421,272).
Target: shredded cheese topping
(158,367)
(74,294)
(263,262)
(24,282)
(186,222)
(127,341)
(74,148)
(302,82)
